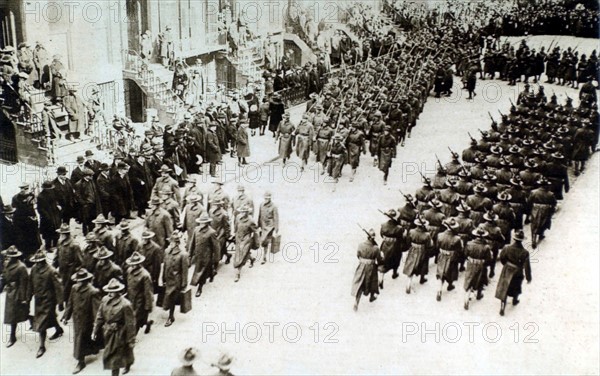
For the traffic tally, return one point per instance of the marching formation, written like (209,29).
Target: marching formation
(474,211)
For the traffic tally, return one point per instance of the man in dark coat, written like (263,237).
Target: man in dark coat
(153,256)
(140,291)
(450,246)
(103,184)
(8,231)
(543,204)
(88,200)
(122,194)
(175,275)
(276,109)
(515,259)
(392,233)
(159,222)
(203,248)
(213,150)
(49,211)
(65,195)
(69,259)
(16,280)
(365,279)
(82,306)
(77,173)
(386,152)
(25,220)
(45,287)
(125,244)
(105,269)
(92,163)
(417,261)
(116,320)
(479,254)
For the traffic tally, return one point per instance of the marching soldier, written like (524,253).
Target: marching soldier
(479,254)
(386,151)
(82,306)
(424,194)
(166,183)
(450,246)
(16,282)
(140,291)
(365,277)
(105,269)
(125,244)
(392,234)
(45,287)
(192,211)
(244,241)
(116,320)
(543,205)
(304,136)
(286,136)
(323,138)
(355,144)
(88,261)
(495,239)
(153,256)
(159,222)
(435,218)
(88,200)
(479,203)
(103,233)
(515,259)
(203,248)
(220,223)
(337,157)
(268,223)
(69,259)
(175,275)
(417,261)
(242,199)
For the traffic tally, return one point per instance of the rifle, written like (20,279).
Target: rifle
(425,178)
(501,114)
(511,103)
(439,162)
(454,155)
(367,232)
(491,117)
(471,137)
(389,216)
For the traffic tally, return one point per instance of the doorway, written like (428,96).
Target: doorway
(135,101)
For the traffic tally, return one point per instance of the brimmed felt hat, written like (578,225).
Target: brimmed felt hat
(516,181)
(64,229)
(90,237)
(88,172)
(204,218)
(519,235)
(39,256)
(155,201)
(147,234)
(530,163)
(434,202)
(124,225)
(164,168)
(100,220)
(103,253)
(421,222)
(188,356)
(504,196)
(12,252)
(514,149)
(47,185)
(268,195)
(81,275)
(450,224)
(135,259)
(113,286)
(224,362)
(194,198)
(480,232)
(490,217)
(543,182)
(451,183)
(463,207)
(176,235)
(479,188)
(391,213)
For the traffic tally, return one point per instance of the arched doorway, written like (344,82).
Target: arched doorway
(135,101)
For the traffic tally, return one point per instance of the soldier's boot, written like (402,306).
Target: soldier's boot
(264,258)
(126,370)
(237,275)
(252,259)
(422,280)
(515,301)
(80,366)
(149,324)
(372,298)
(381,277)
(479,295)
(353,173)
(228,258)
(13,337)
(57,334)
(502,306)
(42,350)
(114,372)
(30,319)
(198,292)
(467,299)
(375,162)
(438,296)
(395,274)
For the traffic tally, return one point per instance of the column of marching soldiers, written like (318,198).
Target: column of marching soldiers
(90,281)
(468,214)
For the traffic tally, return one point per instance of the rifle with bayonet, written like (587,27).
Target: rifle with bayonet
(367,232)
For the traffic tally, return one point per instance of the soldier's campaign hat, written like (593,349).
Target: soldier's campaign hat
(187,115)
(516,181)
(550,145)
(147,234)
(64,229)
(268,195)
(527,142)
(89,153)
(103,253)
(504,196)
(240,188)
(514,149)
(496,149)
(539,151)
(505,162)
(47,185)
(194,198)
(391,213)
(80,159)
(426,181)
(489,176)
(113,286)
(91,237)
(204,218)
(387,128)
(81,275)
(562,129)
(61,170)
(12,251)
(450,224)
(175,236)
(124,225)
(420,222)
(463,207)
(479,188)
(135,259)
(530,163)
(463,173)
(371,233)
(217,180)
(164,168)
(39,256)
(8,209)
(451,183)
(434,202)
(490,217)
(224,362)
(557,155)
(519,235)
(504,136)
(188,356)
(100,220)
(480,232)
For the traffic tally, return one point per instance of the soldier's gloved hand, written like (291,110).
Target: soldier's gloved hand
(61,307)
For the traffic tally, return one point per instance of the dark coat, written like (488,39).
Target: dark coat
(122,195)
(28,236)
(154,257)
(46,288)
(140,293)
(65,195)
(69,259)
(8,232)
(82,306)
(103,185)
(160,223)
(515,259)
(16,281)
(116,319)
(276,109)
(204,247)
(140,178)
(365,276)
(125,245)
(105,272)
(175,276)
(47,207)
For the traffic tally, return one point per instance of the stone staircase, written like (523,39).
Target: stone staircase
(156,82)
(248,63)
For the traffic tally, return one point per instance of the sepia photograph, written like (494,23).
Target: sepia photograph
(299,187)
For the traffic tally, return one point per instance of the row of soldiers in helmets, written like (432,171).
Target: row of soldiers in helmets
(469,212)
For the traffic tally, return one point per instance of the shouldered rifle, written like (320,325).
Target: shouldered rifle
(440,163)
(367,232)
(454,155)
(511,103)
(425,178)
(471,137)
(389,216)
